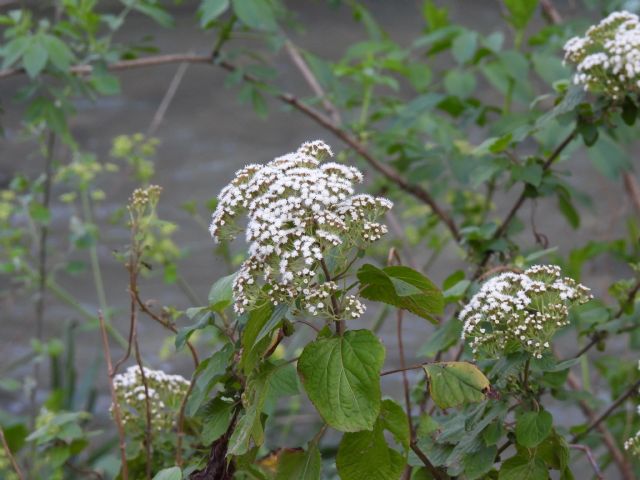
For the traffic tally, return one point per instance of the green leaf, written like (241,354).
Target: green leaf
(366,456)
(300,464)
(629,111)
(464,46)
(394,419)
(13,50)
(341,378)
(207,375)
(104,82)
(609,157)
(477,464)
(459,83)
(521,12)
(221,293)
(203,318)
(256,14)
(261,323)
(455,383)
(402,287)
(533,427)
(156,13)
(523,468)
(210,10)
(530,173)
(59,53)
(172,473)
(216,419)
(34,58)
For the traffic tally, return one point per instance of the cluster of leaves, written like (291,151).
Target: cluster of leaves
(407,112)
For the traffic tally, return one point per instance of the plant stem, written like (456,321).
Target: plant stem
(114,399)
(93,256)
(340,326)
(12,458)
(435,473)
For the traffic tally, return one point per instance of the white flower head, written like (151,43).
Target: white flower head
(163,390)
(520,311)
(607,58)
(298,208)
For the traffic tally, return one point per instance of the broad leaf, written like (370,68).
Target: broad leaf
(256,14)
(172,473)
(262,322)
(533,427)
(216,417)
(221,293)
(210,10)
(455,383)
(521,11)
(341,377)
(207,375)
(35,58)
(402,287)
(523,468)
(477,464)
(366,456)
(300,464)
(394,419)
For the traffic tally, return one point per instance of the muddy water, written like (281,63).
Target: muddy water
(206,135)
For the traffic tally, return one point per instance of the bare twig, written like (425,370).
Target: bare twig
(168,97)
(403,369)
(607,438)
(300,63)
(633,190)
(148,427)
(114,399)
(550,12)
(633,389)
(502,229)
(12,458)
(435,473)
(590,457)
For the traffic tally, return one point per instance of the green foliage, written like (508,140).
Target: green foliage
(341,377)
(475,135)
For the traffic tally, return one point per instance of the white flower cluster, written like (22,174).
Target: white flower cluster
(607,58)
(299,208)
(520,311)
(632,445)
(165,394)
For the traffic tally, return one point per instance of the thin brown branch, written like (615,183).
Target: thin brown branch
(300,63)
(601,335)
(168,97)
(633,190)
(502,229)
(181,418)
(435,473)
(114,399)
(607,438)
(403,369)
(633,389)
(587,451)
(10,456)
(550,12)
(340,325)
(148,427)
(387,171)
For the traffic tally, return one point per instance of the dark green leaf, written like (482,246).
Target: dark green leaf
(479,463)
(402,287)
(523,468)
(394,419)
(221,293)
(60,54)
(366,456)
(216,417)
(341,377)
(521,12)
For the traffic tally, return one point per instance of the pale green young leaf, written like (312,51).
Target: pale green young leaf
(464,46)
(221,293)
(341,378)
(59,53)
(171,473)
(456,383)
(394,419)
(521,12)
(34,58)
